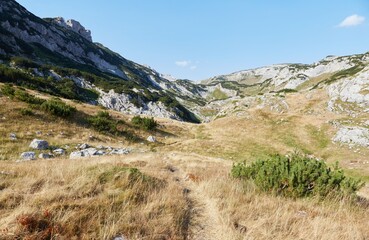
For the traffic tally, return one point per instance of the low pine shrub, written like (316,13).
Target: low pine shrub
(8,90)
(23,96)
(297,176)
(144,122)
(103,122)
(58,108)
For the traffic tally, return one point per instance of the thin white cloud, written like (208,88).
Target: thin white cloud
(193,67)
(351,21)
(183,63)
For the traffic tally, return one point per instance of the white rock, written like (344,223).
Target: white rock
(39,144)
(59,151)
(119,151)
(13,136)
(151,139)
(77,154)
(28,156)
(74,26)
(353,136)
(89,152)
(83,146)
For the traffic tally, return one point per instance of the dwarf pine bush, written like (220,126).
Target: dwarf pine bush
(58,108)
(104,123)
(297,176)
(144,122)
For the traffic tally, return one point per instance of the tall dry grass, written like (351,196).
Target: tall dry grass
(260,216)
(88,199)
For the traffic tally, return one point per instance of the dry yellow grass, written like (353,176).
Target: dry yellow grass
(185,191)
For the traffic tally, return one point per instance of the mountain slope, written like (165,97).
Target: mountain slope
(67,44)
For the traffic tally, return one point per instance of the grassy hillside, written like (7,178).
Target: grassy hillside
(177,188)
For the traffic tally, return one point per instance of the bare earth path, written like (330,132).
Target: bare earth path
(192,172)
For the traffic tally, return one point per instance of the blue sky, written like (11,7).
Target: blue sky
(198,39)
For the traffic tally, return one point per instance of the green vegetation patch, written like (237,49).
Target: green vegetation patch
(297,175)
(219,94)
(144,123)
(103,122)
(58,108)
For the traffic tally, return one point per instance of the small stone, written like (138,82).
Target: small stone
(78,154)
(39,144)
(28,156)
(13,136)
(120,151)
(83,146)
(151,139)
(59,151)
(100,153)
(89,152)
(119,238)
(38,133)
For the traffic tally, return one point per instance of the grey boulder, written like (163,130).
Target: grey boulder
(28,156)
(39,144)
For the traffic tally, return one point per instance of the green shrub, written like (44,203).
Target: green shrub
(297,176)
(103,122)
(58,108)
(7,90)
(23,96)
(144,122)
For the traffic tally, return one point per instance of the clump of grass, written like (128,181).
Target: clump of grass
(297,175)
(93,201)
(144,123)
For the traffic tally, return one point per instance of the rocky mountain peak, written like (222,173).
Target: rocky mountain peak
(74,26)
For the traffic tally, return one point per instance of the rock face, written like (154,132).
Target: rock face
(39,144)
(28,156)
(353,90)
(123,103)
(353,136)
(75,26)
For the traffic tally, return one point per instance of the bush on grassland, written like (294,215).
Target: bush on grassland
(144,122)
(58,108)
(103,122)
(7,90)
(297,176)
